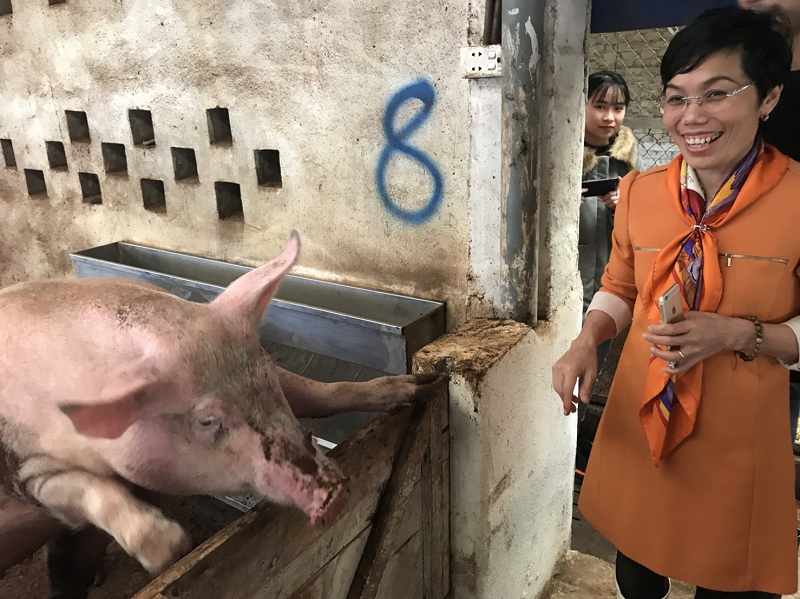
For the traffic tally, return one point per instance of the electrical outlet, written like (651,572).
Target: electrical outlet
(481,61)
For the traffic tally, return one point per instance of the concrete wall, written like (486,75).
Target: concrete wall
(512,450)
(309,79)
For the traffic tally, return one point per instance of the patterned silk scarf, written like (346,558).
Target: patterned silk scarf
(671,403)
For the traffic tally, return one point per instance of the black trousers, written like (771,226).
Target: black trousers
(638,582)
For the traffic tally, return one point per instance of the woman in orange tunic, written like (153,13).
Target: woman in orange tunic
(691,473)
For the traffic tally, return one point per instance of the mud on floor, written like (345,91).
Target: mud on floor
(201,517)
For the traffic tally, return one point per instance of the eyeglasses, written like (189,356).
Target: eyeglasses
(713,99)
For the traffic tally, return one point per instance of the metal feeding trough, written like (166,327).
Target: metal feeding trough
(324,331)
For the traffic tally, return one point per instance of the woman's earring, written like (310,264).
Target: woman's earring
(764,118)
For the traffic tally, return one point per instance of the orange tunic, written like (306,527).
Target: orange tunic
(719,512)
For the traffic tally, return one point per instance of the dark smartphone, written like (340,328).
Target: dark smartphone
(599,187)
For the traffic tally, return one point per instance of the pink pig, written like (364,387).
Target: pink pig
(105,381)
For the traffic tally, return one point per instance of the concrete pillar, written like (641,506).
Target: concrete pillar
(526,130)
(512,456)
(560,148)
(512,450)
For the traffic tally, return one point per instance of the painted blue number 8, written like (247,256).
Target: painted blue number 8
(396,142)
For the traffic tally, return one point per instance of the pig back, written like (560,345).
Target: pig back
(62,339)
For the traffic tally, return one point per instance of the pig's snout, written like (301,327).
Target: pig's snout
(298,475)
(308,463)
(332,498)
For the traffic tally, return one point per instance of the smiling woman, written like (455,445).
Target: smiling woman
(609,152)
(715,98)
(691,472)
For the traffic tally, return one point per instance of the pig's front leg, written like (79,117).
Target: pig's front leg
(312,399)
(77,497)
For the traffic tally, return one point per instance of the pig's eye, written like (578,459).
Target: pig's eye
(210,427)
(209,422)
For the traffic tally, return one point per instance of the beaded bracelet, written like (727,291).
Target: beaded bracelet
(759,340)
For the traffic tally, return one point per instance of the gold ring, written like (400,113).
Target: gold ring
(682,355)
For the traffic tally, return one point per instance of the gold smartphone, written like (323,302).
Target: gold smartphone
(670,305)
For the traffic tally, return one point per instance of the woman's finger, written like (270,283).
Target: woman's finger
(585,391)
(671,330)
(676,361)
(570,382)
(670,356)
(678,340)
(559,388)
(683,366)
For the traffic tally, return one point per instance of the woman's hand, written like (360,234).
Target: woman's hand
(610,199)
(700,336)
(578,363)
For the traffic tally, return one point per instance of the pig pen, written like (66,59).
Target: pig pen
(391,539)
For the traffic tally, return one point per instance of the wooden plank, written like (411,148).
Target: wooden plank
(403,578)
(402,509)
(334,580)
(392,508)
(428,544)
(439,538)
(441,543)
(249,555)
(436,529)
(436,499)
(186,563)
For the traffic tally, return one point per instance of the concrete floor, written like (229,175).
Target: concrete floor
(587,571)
(583,576)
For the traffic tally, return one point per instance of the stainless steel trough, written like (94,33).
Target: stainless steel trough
(371,328)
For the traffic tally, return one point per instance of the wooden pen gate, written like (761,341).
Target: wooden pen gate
(390,540)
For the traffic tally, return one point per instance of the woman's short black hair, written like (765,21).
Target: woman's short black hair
(763,39)
(602,81)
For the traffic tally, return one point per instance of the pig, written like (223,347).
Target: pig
(109,384)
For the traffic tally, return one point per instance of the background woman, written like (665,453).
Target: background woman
(609,151)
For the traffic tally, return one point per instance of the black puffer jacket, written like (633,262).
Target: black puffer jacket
(596,221)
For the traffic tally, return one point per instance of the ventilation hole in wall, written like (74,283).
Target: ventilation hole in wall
(114,158)
(8,153)
(142,127)
(153,196)
(90,188)
(77,125)
(5,7)
(52,2)
(184,162)
(56,156)
(268,168)
(219,126)
(229,200)
(35,181)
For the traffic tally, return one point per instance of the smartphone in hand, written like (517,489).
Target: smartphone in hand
(670,305)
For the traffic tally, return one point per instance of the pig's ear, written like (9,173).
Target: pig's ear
(247,297)
(129,395)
